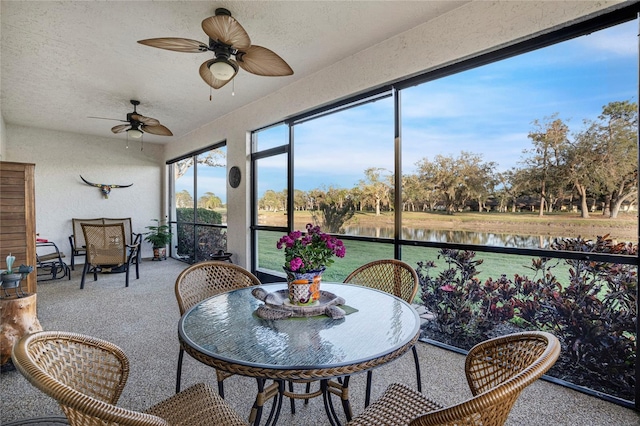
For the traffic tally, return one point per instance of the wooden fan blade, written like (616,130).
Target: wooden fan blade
(145,120)
(262,61)
(176,44)
(227,30)
(120,128)
(158,129)
(210,79)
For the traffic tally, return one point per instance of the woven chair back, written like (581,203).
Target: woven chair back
(206,279)
(78,235)
(126,223)
(389,275)
(495,361)
(497,371)
(84,374)
(106,244)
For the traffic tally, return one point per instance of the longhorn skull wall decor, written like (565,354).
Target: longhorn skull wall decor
(105,189)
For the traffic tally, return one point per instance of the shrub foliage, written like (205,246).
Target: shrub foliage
(200,243)
(593,315)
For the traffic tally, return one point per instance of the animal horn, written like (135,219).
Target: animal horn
(89,183)
(101,185)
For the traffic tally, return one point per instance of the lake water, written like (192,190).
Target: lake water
(452,236)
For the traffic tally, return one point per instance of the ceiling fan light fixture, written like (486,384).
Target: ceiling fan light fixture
(134,133)
(222,69)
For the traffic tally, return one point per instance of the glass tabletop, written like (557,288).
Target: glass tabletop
(226,328)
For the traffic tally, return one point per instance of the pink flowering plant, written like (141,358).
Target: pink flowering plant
(311,251)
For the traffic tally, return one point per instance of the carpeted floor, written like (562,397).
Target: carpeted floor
(142,320)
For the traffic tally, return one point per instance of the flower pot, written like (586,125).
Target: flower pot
(304,287)
(159,253)
(10,280)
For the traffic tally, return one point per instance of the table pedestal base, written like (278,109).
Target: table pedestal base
(265,394)
(277,391)
(329,387)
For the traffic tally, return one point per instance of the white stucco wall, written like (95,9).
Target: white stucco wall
(61,158)
(475,28)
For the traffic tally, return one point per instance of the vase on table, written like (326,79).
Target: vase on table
(304,287)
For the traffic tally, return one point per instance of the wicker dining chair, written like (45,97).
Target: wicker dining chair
(87,375)
(497,371)
(107,248)
(395,277)
(203,280)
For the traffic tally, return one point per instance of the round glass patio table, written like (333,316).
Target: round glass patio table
(224,332)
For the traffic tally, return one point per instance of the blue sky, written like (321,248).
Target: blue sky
(497,103)
(487,110)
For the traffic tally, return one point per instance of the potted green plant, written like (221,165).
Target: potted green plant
(159,236)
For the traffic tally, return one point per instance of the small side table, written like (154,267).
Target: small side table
(17,318)
(222,256)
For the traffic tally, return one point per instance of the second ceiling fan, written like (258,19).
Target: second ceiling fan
(137,124)
(227,39)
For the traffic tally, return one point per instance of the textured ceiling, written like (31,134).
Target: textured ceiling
(64,61)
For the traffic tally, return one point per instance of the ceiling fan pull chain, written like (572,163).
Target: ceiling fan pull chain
(233,87)
(127,147)
(210,93)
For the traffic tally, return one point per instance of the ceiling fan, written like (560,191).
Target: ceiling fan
(227,39)
(138,124)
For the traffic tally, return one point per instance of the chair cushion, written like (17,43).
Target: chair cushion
(397,406)
(198,405)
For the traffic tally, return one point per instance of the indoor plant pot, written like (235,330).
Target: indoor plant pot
(159,236)
(10,279)
(304,287)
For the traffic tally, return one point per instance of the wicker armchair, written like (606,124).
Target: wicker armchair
(203,280)
(390,275)
(395,277)
(79,246)
(497,371)
(107,248)
(87,375)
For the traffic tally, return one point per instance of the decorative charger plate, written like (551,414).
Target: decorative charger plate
(277,305)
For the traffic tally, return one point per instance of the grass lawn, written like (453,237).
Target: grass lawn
(494,265)
(359,253)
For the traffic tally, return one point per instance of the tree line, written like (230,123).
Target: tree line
(594,168)
(209,200)
(213,158)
